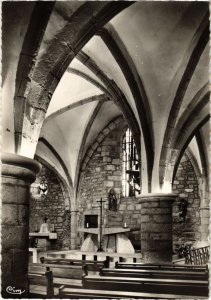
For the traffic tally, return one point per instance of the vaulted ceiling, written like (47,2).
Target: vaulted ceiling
(70,72)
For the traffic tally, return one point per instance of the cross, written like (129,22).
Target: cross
(101,224)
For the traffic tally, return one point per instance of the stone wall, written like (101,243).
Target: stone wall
(103,172)
(186,186)
(130,208)
(53,205)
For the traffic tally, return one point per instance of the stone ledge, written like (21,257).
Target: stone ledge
(21,161)
(18,166)
(154,197)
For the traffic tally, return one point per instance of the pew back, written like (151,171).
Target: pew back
(175,267)
(168,274)
(40,283)
(70,293)
(147,285)
(63,271)
(92,265)
(69,275)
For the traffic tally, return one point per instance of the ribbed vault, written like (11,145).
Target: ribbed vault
(85,64)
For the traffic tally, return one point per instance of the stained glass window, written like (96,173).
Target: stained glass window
(130,167)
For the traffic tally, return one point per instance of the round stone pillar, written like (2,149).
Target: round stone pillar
(73,234)
(18,173)
(156,227)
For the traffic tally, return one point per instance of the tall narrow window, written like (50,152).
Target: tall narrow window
(130,167)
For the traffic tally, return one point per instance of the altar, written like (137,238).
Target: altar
(44,239)
(114,239)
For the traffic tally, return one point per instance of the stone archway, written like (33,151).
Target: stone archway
(56,205)
(101,171)
(187,229)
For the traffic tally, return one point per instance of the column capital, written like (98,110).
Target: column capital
(18,166)
(156,197)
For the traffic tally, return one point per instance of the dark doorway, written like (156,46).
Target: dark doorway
(91,221)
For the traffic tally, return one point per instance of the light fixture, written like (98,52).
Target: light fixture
(43,187)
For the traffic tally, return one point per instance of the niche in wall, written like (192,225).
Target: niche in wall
(91,221)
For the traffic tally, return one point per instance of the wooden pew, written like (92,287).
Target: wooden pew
(168,274)
(92,265)
(175,267)
(40,283)
(65,274)
(69,293)
(147,285)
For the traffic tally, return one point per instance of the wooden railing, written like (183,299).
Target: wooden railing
(198,256)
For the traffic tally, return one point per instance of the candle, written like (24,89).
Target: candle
(125,225)
(87,225)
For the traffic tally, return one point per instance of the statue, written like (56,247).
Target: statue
(45,227)
(183,209)
(112,200)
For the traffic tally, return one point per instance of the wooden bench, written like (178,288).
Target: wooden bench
(92,265)
(69,293)
(40,283)
(147,285)
(168,274)
(69,275)
(175,267)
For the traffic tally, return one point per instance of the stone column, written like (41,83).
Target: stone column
(18,173)
(204,210)
(73,235)
(156,227)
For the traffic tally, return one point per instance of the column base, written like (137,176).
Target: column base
(157,256)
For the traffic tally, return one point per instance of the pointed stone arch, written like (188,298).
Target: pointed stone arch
(55,153)
(204,162)
(115,94)
(100,137)
(176,155)
(80,158)
(81,26)
(191,59)
(26,64)
(122,57)
(67,194)
(188,120)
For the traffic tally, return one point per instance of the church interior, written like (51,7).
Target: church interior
(105,149)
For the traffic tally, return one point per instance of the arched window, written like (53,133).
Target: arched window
(130,167)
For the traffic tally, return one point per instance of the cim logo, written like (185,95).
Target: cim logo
(14,291)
